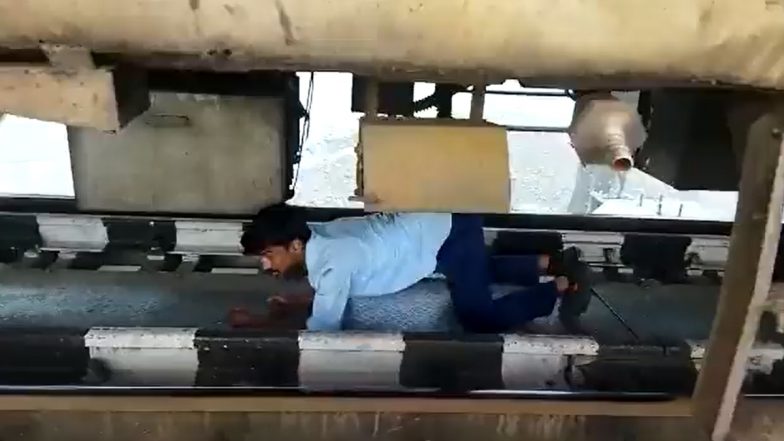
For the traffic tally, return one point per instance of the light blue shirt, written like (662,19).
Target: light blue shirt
(369,256)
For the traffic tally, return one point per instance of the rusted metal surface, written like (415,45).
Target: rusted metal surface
(321,404)
(758,420)
(104,99)
(68,57)
(198,426)
(332,419)
(728,41)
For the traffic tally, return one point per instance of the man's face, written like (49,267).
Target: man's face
(284,260)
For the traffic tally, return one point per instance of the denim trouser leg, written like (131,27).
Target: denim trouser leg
(464,261)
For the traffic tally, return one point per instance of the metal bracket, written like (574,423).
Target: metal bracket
(68,57)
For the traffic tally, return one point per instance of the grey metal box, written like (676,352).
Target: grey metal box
(189,153)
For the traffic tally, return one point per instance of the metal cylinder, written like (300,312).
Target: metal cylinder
(618,153)
(606,130)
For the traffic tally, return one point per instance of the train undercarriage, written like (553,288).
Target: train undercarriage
(186,117)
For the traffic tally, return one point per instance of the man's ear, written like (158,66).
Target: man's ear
(296,246)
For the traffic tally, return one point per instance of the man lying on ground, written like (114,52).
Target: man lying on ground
(423,307)
(381,254)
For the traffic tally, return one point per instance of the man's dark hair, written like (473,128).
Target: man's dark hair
(277,225)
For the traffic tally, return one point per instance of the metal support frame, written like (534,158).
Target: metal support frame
(539,129)
(105,99)
(478,102)
(554,93)
(749,271)
(371,113)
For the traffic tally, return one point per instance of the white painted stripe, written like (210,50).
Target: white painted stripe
(532,372)
(78,233)
(697,349)
(590,237)
(490,236)
(350,360)
(766,350)
(351,341)
(208,237)
(549,345)
(334,370)
(540,361)
(764,356)
(140,337)
(227,270)
(119,268)
(145,356)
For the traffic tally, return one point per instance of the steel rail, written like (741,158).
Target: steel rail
(514,221)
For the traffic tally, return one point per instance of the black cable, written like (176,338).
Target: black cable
(434,393)
(305,128)
(439,96)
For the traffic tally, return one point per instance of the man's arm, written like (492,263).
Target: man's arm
(242,318)
(289,311)
(329,303)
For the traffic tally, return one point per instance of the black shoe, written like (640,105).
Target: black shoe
(573,325)
(563,263)
(575,302)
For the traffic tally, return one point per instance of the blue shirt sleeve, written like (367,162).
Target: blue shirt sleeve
(329,303)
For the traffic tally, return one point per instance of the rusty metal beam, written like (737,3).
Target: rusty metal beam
(724,41)
(110,419)
(747,280)
(68,57)
(104,99)
(145,418)
(674,408)
(329,426)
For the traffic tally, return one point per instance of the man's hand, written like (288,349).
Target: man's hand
(283,312)
(286,305)
(278,306)
(242,318)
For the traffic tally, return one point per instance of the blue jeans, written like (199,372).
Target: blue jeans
(469,271)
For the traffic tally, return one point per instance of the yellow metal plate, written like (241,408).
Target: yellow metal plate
(434,165)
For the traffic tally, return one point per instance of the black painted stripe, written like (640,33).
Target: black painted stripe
(247,358)
(527,242)
(640,368)
(19,232)
(140,234)
(659,257)
(43,356)
(440,361)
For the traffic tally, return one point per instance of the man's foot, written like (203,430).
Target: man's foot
(576,300)
(562,263)
(573,325)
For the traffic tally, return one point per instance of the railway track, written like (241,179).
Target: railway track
(143,243)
